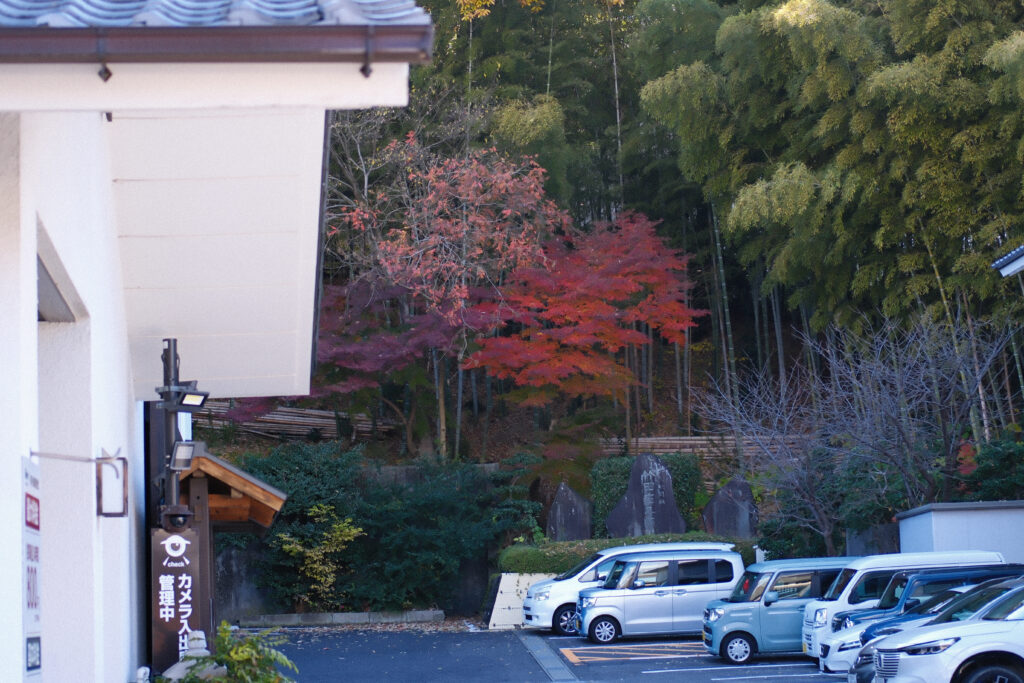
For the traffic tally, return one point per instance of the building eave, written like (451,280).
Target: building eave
(411,43)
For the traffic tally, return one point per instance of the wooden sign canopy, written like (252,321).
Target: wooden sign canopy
(238,502)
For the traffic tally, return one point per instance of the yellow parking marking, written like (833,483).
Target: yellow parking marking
(610,653)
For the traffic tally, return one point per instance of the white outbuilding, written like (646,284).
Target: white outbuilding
(982,525)
(161,176)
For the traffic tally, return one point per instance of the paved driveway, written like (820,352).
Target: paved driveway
(328,655)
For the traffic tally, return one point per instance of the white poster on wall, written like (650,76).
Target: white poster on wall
(30,530)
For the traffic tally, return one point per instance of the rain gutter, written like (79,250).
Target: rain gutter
(411,43)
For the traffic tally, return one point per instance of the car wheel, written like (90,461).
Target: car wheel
(604,630)
(994,673)
(738,648)
(564,621)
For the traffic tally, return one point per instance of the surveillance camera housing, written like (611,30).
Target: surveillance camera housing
(176,518)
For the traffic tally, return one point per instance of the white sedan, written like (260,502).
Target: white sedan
(987,648)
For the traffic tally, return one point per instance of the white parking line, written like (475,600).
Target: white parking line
(750,678)
(733,668)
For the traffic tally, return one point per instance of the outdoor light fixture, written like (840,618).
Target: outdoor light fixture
(184,397)
(193,398)
(181,455)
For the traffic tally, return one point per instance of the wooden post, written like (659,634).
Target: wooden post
(199,501)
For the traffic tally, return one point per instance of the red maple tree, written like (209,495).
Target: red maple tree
(566,323)
(455,225)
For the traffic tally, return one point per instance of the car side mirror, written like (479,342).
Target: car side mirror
(911,603)
(639,583)
(770,597)
(602,577)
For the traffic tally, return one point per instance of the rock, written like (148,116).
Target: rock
(732,511)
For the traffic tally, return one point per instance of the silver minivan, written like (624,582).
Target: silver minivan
(551,603)
(657,593)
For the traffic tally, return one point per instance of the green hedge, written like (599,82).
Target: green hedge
(557,557)
(609,480)
(412,538)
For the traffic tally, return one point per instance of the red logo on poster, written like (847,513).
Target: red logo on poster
(31,511)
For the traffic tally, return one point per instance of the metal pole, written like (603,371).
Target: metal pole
(170,358)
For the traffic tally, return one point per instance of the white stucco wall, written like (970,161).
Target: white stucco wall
(73,190)
(965,526)
(91,607)
(84,372)
(18,401)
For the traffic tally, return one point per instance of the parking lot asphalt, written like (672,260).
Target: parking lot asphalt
(326,655)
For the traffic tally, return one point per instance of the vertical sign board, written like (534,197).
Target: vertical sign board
(30,530)
(174,602)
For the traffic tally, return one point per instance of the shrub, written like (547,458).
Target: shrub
(245,658)
(1000,472)
(347,541)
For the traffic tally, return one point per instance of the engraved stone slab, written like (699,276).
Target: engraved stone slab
(649,506)
(569,518)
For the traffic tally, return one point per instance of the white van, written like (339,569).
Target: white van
(861,583)
(551,603)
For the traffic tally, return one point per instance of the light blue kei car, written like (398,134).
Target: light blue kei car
(764,613)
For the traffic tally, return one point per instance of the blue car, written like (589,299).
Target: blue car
(909,588)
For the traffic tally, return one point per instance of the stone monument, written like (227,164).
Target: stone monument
(569,518)
(732,511)
(649,506)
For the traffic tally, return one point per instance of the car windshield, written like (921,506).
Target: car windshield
(1008,608)
(935,603)
(967,604)
(619,576)
(578,568)
(840,584)
(891,597)
(750,587)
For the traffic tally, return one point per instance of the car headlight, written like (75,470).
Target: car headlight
(850,645)
(588,602)
(820,616)
(543,595)
(848,623)
(933,647)
(715,614)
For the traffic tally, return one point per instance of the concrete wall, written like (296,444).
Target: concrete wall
(965,526)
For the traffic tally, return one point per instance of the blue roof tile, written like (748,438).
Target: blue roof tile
(1009,258)
(207,13)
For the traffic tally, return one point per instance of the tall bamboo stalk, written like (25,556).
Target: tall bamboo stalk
(618,109)
(730,368)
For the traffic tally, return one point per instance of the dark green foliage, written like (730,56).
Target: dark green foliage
(1000,472)
(782,538)
(415,535)
(609,480)
(687,485)
(557,557)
